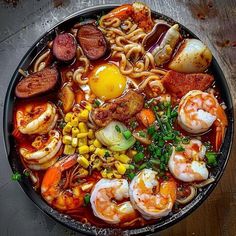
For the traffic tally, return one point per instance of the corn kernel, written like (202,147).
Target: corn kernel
(74,121)
(97,164)
(82,135)
(74,142)
(83,172)
(97,144)
(90,141)
(87,186)
(120,167)
(83,161)
(92,148)
(109,175)
(92,157)
(100,152)
(83,149)
(83,115)
(91,134)
(76,192)
(75,132)
(104,173)
(68,117)
(82,127)
(82,141)
(69,150)
(88,107)
(67,139)
(86,156)
(67,127)
(123,158)
(116,174)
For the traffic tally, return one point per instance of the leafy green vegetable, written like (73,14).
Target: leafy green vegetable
(211,158)
(16,176)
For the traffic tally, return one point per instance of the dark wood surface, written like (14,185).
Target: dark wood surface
(20,26)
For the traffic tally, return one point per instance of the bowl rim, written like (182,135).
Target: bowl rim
(93,230)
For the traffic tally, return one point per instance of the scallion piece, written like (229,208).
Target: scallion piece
(142,134)
(185,140)
(117,127)
(211,158)
(155,161)
(169,136)
(16,176)
(158,120)
(179,149)
(86,199)
(151,130)
(127,134)
(131,167)
(138,157)
(131,175)
(97,103)
(143,166)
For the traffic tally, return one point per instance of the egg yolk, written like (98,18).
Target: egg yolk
(106,81)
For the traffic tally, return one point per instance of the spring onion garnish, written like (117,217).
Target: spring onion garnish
(131,175)
(86,199)
(16,176)
(142,134)
(179,149)
(127,134)
(138,157)
(143,166)
(185,140)
(118,128)
(97,103)
(211,158)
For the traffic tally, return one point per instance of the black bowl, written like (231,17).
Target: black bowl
(14,160)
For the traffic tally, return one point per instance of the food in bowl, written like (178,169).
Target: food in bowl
(118,122)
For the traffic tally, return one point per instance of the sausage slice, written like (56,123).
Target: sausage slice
(92,41)
(64,47)
(37,83)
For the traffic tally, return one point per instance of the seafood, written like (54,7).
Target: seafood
(102,199)
(192,57)
(54,194)
(189,165)
(45,155)
(36,118)
(152,198)
(198,111)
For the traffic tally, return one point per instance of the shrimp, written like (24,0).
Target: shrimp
(198,111)
(151,197)
(45,155)
(140,13)
(52,192)
(189,165)
(36,118)
(103,198)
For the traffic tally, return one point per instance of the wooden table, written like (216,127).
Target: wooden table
(20,25)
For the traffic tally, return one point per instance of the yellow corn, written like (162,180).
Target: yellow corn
(86,156)
(76,192)
(91,134)
(91,148)
(87,186)
(88,107)
(110,159)
(68,117)
(97,144)
(83,149)
(67,139)
(82,127)
(67,128)
(97,164)
(83,161)
(116,174)
(74,142)
(123,158)
(69,150)
(74,121)
(120,167)
(100,152)
(109,175)
(82,135)
(83,115)
(75,132)
(83,172)
(82,141)
(104,173)
(92,157)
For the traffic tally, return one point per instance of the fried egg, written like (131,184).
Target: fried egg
(106,81)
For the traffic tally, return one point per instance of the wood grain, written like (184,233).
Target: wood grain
(20,26)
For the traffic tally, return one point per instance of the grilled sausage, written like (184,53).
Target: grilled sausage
(37,83)
(92,41)
(64,47)
(178,84)
(120,109)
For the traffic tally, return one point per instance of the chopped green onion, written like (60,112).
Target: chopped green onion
(117,127)
(155,161)
(158,120)
(151,130)
(86,199)
(131,175)
(169,136)
(138,147)
(142,134)
(16,176)
(127,134)
(185,140)
(211,158)
(143,166)
(138,157)
(97,103)
(107,154)
(131,167)
(179,149)
(133,124)
(161,143)
(168,112)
